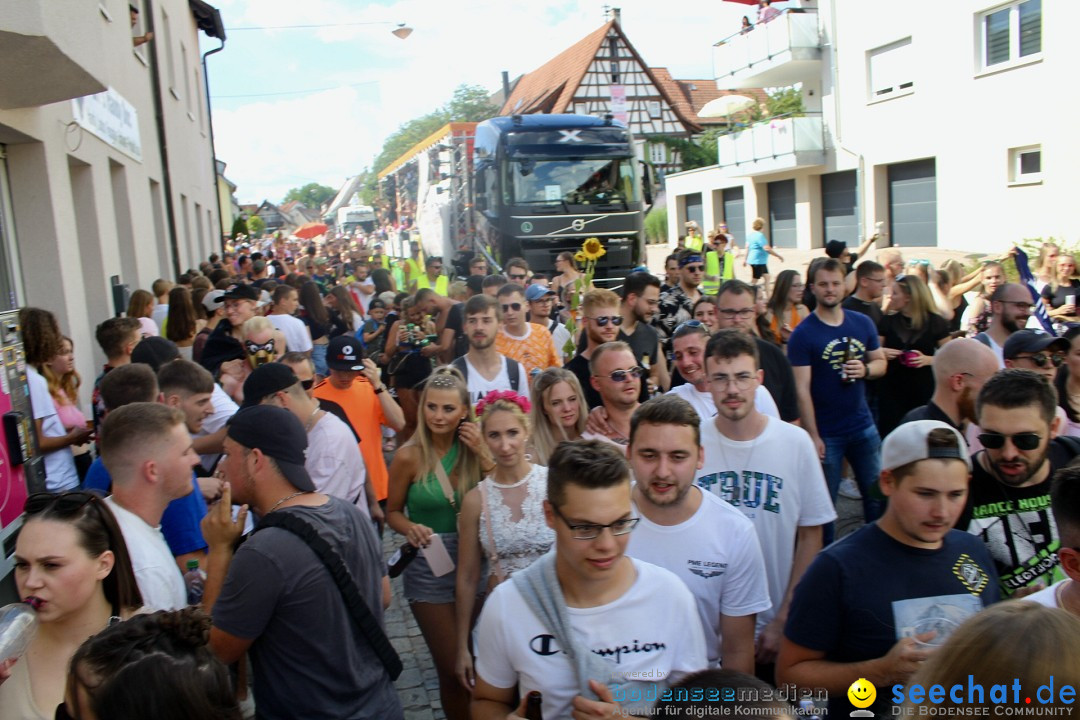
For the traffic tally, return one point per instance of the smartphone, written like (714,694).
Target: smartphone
(438,558)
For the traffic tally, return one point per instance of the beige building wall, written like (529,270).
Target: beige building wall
(77,210)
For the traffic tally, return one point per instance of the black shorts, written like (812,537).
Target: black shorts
(759,270)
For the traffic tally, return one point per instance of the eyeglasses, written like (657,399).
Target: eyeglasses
(1040,359)
(1022,441)
(591,531)
(742,381)
(603,320)
(731,313)
(516,277)
(307,384)
(516,307)
(67,503)
(695,268)
(1018,304)
(622,375)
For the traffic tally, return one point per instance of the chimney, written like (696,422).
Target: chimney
(616,15)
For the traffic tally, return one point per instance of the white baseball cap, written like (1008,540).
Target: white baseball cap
(909,443)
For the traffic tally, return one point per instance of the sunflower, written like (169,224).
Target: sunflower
(579,256)
(593,249)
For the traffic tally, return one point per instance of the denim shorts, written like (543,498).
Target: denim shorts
(423,587)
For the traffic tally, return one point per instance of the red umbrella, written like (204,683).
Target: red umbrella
(310,230)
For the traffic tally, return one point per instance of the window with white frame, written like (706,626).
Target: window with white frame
(657,153)
(1025,165)
(581,109)
(1010,34)
(654,108)
(891,70)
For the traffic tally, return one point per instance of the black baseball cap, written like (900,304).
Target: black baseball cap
(345,353)
(155,351)
(278,434)
(1020,341)
(240,292)
(266,380)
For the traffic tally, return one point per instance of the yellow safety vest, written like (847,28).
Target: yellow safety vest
(695,242)
(415,271)
(713,269)
(442,284)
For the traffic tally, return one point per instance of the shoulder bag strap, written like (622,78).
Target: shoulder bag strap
(354,601)
(444,483)
(461,365)
(513,373)
(494,556)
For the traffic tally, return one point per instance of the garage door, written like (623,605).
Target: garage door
(694,212)
(913,203)
(735,214)
(782,214)
(840,207)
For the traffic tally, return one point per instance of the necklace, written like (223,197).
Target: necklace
(287,498)
(311,419)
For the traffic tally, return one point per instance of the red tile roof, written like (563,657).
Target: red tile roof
(689,96)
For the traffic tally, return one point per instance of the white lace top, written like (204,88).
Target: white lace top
(517,520)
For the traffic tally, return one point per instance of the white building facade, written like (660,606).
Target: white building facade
(106,165)
(935,124)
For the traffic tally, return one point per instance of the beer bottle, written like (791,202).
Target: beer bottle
(534,706)
(850,353)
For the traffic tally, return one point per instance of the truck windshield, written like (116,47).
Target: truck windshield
(573,180)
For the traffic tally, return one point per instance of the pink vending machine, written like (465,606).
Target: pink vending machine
(21,470)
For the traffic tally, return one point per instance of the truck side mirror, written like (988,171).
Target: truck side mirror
(646,184)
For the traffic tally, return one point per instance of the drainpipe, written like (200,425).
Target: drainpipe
(213,147)
(163,149)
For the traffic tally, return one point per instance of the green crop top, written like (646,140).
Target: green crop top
(426,502)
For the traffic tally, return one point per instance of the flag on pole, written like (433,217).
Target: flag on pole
(1028,279)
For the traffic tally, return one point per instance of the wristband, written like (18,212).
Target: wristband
(382,389)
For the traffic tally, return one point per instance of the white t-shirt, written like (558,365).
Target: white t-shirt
(479,386)
(559,336)
(706,407)
(365,298)
(334,461)
(60,473)
(158,577)
(782,488)
(297,335)
(717,554)
(643,633)
(224,408)
(1048,595)
(159,313)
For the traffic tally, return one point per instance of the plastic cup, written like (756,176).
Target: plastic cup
(942,626)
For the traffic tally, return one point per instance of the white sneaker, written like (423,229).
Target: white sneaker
(849,490)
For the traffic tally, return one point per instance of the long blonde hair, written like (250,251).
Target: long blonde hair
(920,302)
(544,438)
(1012,640)
(468,464)
(64,388)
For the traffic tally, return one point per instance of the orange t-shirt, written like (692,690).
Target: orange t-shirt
(365,414)
(534,351)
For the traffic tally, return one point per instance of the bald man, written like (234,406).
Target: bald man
(960,369)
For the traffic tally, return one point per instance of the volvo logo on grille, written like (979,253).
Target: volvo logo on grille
(526,227)
(578,225)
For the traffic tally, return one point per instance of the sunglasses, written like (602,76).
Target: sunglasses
(1040,359)
(1022,441)
(516,307)
(622,375)
(67,503)
(516,277)
(307,384)
(695,268)
(603,320)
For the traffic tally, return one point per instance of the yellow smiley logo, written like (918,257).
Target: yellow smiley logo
(862,693)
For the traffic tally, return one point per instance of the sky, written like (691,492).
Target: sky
(315,105)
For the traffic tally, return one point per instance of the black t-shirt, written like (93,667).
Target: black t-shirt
(455,320)
(1058,298)
(645,344)
(779,379)
(904,388)
(1015,524)
(870,309)
(930,411)
(579,365)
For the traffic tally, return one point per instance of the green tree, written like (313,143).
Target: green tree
(256,226)
(656,229)
(470,103)
(312,195)
(239,227)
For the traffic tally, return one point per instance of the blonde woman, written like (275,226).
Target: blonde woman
(502,519)
(951,307)
(1045,264)
(558,411)
(909,336)
(429,477)
(567,273)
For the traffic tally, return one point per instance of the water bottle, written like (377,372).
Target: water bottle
(195,581)
(534,703)
(18,623)
(400,559)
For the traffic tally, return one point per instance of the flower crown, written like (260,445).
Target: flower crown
(509,395)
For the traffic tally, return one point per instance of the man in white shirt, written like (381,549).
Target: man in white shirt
(626,618)
(282,315)
(147,450)
(767,469)
(484,368)
(695,534)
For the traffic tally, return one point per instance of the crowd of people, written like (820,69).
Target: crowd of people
(597,494)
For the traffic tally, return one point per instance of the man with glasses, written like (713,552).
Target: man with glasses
(1035,350)
(677,305)
(433,277)
(640,300)
(1008,507)
(869,289)
(541,301)
(600,321)
(695,534)
(617,377)
(736,309)
(832,353)
(961,367)
(478,265)
(517,271)
(1010,308)
(769,471)
(623,619)
(528,343)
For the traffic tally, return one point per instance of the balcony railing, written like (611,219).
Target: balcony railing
(770,54)
(780,143)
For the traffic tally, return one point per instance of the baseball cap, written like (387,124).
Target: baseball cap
(155,352)
(908,444)
(278,434)
(1032,341)
(835,248)
(240,292)
(266,380)
(212,300)
(344,353)
(535,292)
